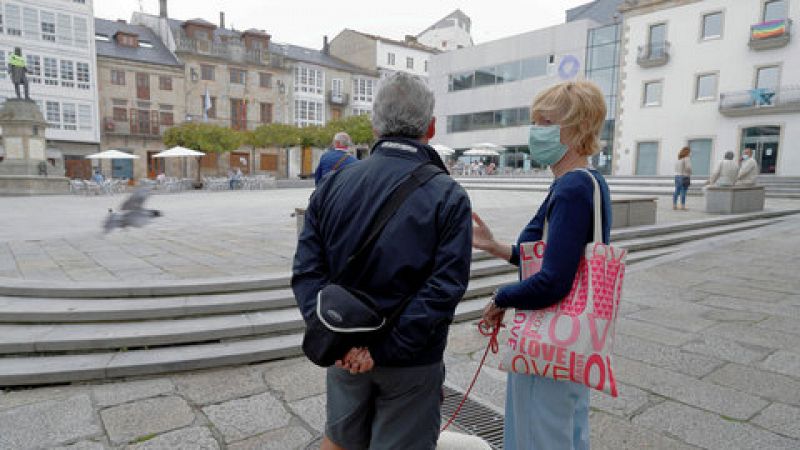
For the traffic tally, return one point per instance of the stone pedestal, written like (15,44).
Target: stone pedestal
(734,199)
(633,211)
(24,169)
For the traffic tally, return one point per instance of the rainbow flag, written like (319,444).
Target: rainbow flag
(773,28)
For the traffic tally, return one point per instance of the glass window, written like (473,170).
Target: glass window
(13,19)
(706,87)
(54,114)
(85,117)
(606,79)
(652,93)
(165,83)
(658,34)
(700,156)
(603,56)
(506,117)
(390,59)
(82,70)
(265,80)
(118,77)
(2,63)
(463,81)
(647,158)
(774,10)
(604,35)
(483,120)
(50,71)
(238,76)
(67,73)
(207,72)
(409,63)
(48,21)
(534,67)
(484,77)
(712,25)
(81,32)
(69,116)
(767,77)
(506,73)
(64,29)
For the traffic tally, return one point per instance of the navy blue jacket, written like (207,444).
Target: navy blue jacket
(424,251)
(570,209)
(328,160)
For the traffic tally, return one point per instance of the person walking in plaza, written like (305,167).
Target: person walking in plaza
(726,172)
(337,157)
(387,394)
(543,414)
(683,174)
(748,172)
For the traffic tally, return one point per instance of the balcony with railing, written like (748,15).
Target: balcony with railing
(338,98)
(654,54)
(234,123)
(136,125)
(760,101)
(231,51)
(770,34)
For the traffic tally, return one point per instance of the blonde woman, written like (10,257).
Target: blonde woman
(542,413)
(683,173)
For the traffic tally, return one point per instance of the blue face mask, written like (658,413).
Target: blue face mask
(545,144)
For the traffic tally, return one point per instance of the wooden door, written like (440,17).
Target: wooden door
(78,168)
(154,165)
(240,160)
(143,86)
(307,158)
(269,163)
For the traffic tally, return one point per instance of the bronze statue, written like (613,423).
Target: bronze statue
(18,69)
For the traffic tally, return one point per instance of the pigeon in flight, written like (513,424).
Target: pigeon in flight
(132,213)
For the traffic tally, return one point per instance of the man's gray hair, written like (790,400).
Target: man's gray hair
(403,107)
(729,155)
(342,139)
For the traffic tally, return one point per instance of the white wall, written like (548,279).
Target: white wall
(401,53)
(680,117)
(35,45)
(561,40)
(453,37)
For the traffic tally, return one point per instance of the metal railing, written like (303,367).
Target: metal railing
(233,51)
(338,98)
(771,34)
(134,127)
(653,54)
(760,101)
(230,123)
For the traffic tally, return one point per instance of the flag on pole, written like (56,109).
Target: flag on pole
(206,105)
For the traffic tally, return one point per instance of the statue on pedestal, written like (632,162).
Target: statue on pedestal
(18,69)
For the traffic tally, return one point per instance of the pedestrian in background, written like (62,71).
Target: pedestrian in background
(683,174)
(541,413)
(337,157)
(726,172)
(748,172)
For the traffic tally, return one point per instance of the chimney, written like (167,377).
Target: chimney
(222,19)
(326,48)
(162,9)
(411,39)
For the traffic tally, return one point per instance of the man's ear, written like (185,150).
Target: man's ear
(431,129)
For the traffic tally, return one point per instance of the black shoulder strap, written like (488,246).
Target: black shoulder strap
(417,178)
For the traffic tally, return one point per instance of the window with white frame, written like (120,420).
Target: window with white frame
(48,22)
(34,68)
(308,80)
(2,65)
(337,85)
(67,73)
(706,87)
(426,65)
(774,10)
(390,59)
(50,71)
(647,158)
(82,71)
(64,29)
(69,116)
(308,112)
(362,112)
(85,117)
(363,89)
(652,93)
(767,77)
(409,63)
(712,25)
(13,19)
(81,32)
(30,23)
(1,17)
(53,114)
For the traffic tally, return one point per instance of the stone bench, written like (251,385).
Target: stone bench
(633,211)
(734,199)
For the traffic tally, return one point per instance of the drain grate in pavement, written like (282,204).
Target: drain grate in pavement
(474,418)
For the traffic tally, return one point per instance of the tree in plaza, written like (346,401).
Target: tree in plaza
(205,138)
(358,127)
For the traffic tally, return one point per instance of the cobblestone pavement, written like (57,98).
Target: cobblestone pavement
(706,357)
(202,234)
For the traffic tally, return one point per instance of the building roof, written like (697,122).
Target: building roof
(317,57)
(154,53)
(414,45)
(602,11)
(445,22)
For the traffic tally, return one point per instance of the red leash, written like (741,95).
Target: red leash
(487,330)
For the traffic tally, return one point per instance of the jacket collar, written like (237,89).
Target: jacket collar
(408,148)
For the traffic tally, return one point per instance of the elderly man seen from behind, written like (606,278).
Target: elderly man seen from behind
(726,172)
(336,157)
(749,170)
(386,393)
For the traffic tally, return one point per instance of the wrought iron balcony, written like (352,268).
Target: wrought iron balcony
(653,54)
(141,125)
(760,101)
(231,51)
(771,34)
(338,98)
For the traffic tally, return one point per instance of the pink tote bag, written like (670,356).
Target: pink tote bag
(573,339)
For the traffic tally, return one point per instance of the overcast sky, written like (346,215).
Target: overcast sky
(304,23)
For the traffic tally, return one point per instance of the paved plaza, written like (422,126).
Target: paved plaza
(706,351)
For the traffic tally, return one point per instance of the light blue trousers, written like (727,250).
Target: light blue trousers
(544,414)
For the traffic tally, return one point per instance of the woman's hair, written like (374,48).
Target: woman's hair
(579,107)
(684,152)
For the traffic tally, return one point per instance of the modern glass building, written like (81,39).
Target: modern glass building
(602,67)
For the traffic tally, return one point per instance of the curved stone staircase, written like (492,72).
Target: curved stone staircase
(64,333)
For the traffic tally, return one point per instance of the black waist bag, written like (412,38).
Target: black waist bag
(345,317)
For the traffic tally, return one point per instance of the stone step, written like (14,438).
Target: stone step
(38,369)
(641,244)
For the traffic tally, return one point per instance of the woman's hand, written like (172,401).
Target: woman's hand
(492,313)
(482,237)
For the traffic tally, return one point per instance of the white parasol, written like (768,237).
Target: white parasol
(111,154)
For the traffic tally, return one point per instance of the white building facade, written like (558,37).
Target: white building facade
(57,40)
(386,56)
(714,75)
(450,33)
(396,57)
(484,93)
